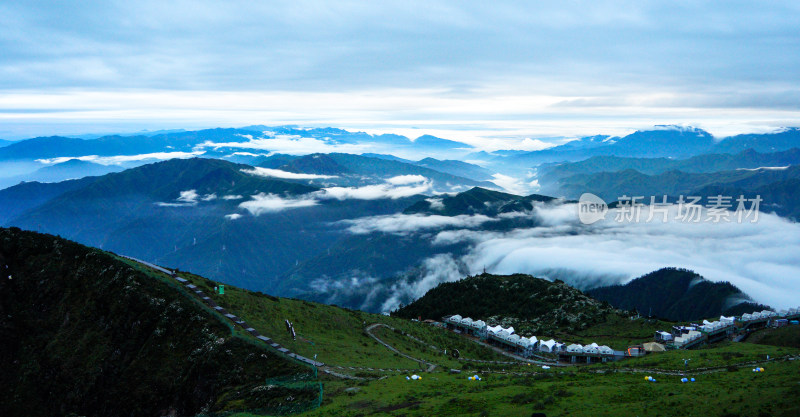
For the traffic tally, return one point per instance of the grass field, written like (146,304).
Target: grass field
(574,392)
(784,336)
(334,334)
(725,385)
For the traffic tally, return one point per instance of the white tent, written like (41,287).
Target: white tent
(547,346)
(592,348)
(575,348)
(455,318)
(524,342)
(688,337)
(605,350)
(502,334)
(494,329)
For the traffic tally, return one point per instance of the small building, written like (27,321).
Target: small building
(651,347)
(662,336)
(636,351)
(780,323)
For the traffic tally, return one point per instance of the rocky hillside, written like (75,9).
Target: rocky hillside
(530,304)
(84,333)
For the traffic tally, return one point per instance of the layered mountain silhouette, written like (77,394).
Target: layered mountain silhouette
(678,294)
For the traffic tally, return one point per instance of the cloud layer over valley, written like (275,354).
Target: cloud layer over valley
(760,258)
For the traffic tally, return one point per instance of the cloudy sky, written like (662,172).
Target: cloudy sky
(473,71)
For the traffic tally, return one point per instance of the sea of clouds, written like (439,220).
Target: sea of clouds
(760,258)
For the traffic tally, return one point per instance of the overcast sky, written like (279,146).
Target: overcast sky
(472,71)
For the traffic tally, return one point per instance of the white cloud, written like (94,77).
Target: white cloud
(289,144)
(510,184)
(407,223)
(277,173)
(270,203)
(406,179)
(436,203)
(760,258)
(188,196)
(265,203)
(233,216)
(436,270)
(374,192)
(233,197)
(119,159)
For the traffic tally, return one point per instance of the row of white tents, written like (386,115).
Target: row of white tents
(717,325)
(526,345)
(766,314)
(591,349)
(723,324)
(687,338)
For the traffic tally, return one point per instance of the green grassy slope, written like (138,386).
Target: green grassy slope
(336,335)
(82,332)
(598,390)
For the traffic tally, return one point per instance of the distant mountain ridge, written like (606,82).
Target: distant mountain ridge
(749,158)
(664,141)
(189,141)
(777,187)
(355,170)
(191,217)
(678,295)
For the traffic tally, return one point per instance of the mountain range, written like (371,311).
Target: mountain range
(365,231)
(747,159)
(221,219)
(776,186)
(661,142)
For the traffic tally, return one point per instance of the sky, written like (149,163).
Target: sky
(477,72)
